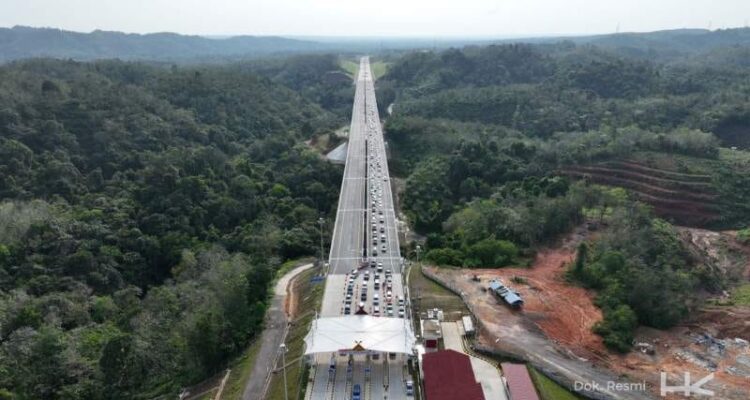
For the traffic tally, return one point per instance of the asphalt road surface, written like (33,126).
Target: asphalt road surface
(272,337)
(365,232)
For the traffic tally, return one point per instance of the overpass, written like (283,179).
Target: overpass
(363,332)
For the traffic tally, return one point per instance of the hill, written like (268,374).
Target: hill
(25,42)
(143,214)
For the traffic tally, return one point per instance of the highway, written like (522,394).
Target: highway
(365,240)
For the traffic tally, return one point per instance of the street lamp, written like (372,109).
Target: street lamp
(282,347)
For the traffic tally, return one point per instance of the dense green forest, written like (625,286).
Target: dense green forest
(319,78)
(143,213)
(484,136)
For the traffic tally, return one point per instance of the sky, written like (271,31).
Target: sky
(399,18)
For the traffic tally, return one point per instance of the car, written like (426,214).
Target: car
(410,388)
(357,392)
(376,311)
(347,310)
(401,313)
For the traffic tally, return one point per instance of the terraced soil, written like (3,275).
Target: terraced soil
(685,199)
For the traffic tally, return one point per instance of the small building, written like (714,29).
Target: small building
(518,382)
(448,375)
(509,296)
(431,334)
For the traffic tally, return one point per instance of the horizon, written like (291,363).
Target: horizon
(425,37)
(388,18)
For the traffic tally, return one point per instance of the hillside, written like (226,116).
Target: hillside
(143,214)
(506,149)
(669,44)
(24,42)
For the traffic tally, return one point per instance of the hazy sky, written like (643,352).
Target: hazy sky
(431,18)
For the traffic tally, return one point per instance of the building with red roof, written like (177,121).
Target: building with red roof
(519,382)
(448,375)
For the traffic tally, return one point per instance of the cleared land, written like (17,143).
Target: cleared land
(378,68)
(553,331)
(685,190)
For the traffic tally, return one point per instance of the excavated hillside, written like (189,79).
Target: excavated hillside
(685,199)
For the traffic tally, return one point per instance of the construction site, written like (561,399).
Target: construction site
(553,329)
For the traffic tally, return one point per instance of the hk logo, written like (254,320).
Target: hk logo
(687,388)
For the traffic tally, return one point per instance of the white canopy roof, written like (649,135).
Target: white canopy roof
(360,333)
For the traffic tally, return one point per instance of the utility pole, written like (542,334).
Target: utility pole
(419,294)
(321,222)
(283,366)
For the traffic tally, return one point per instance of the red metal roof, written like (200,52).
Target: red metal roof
(448,376)
(519,382)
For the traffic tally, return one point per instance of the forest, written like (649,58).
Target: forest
(483,138)
(146,207)
(144,212)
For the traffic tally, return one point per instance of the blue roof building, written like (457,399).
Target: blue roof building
(509,296)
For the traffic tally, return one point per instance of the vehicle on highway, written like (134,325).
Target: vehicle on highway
(410,388)
(357,392)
